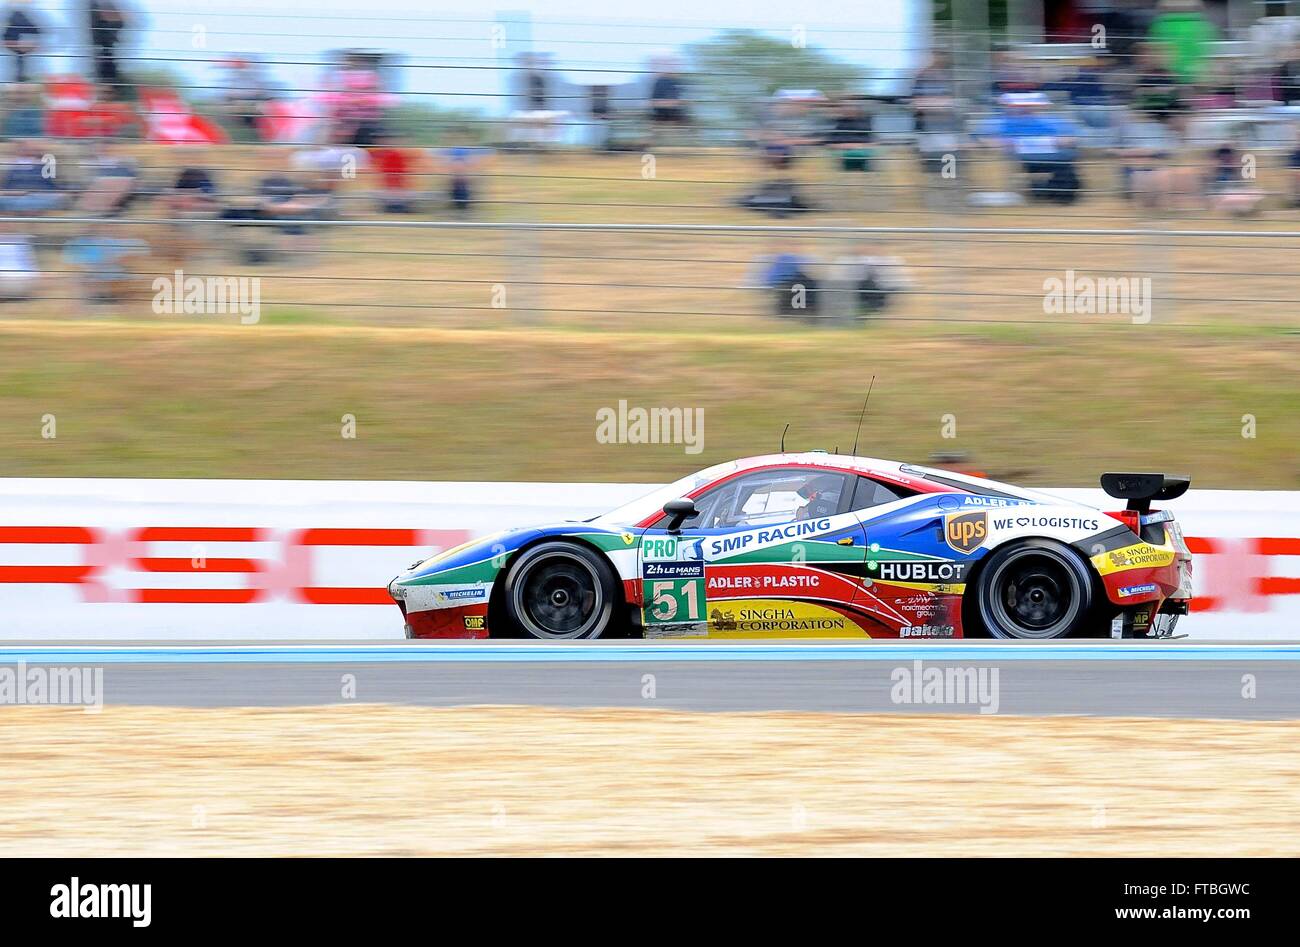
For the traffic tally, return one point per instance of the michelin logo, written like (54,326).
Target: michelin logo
(1131,590)
(462,595)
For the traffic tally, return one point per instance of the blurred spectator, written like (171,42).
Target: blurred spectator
(397,169)
(102,261)
(1286,78)
(667,98)
(28,186)
(22,37)
(789,125)
(1145,143)
(1228,189)
(537,121)
(356,101)
(106,21)
(299,191)
(600,113)
(850,136)
(1293,165)
(1155,88)
(1094,98)
(190,204)
(1013,72)
(113,182)
(939,124)
(861,284)
(1161,167)
(19,273)
(1219,88)
(1043,144)
(1183,31)
(459,162)
(247,90)
(1124,24)
(786,276)
(23,115)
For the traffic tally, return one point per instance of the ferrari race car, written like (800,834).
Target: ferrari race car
(817,545)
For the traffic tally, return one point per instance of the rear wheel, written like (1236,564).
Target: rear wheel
(1036,590)
(561,591)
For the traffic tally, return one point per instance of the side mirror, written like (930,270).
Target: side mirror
(679,511)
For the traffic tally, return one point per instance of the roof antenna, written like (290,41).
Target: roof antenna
(854,452)
(787,427)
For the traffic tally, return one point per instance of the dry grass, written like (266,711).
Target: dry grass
(369,780)
(409,277)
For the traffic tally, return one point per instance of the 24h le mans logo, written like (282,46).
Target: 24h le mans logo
(965,531)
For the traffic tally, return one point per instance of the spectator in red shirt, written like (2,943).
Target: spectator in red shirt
(398,170)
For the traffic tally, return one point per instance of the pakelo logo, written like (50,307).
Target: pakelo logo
(926,631)
(965,531)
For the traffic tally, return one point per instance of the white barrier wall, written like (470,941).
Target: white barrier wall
(204,559)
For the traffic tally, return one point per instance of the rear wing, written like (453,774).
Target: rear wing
(1141,488)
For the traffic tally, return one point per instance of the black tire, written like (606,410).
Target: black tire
(1034,590)
(560,591)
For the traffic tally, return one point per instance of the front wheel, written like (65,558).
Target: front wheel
(1036,590)
(560,591)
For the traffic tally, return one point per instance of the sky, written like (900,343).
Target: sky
(452,49)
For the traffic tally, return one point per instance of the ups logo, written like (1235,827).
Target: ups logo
(965,531)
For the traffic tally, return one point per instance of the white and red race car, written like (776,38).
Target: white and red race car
(822,545)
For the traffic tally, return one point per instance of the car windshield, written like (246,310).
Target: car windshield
(653,502)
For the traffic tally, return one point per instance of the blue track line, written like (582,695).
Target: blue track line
(638,652)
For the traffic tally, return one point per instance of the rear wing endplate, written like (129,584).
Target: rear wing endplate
(1141,488)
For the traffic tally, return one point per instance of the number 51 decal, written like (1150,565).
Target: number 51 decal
(674,601)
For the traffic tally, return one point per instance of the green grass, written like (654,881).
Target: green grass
(268,400)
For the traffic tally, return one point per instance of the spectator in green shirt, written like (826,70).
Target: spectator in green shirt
(1185,34)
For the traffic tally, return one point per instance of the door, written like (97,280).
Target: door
(772,553)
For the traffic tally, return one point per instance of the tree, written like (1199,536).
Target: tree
(735,71)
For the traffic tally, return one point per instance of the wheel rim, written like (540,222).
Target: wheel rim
(1035,594)
(559,597)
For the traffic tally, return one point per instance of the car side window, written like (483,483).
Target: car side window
(770,497)
(869,493)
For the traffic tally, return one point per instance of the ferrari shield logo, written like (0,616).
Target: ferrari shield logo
(965,531)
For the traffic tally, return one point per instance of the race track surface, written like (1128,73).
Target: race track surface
(1123,679)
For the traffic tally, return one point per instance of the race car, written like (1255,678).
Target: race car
(819,545)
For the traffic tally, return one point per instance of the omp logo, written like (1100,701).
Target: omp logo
(965,531)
